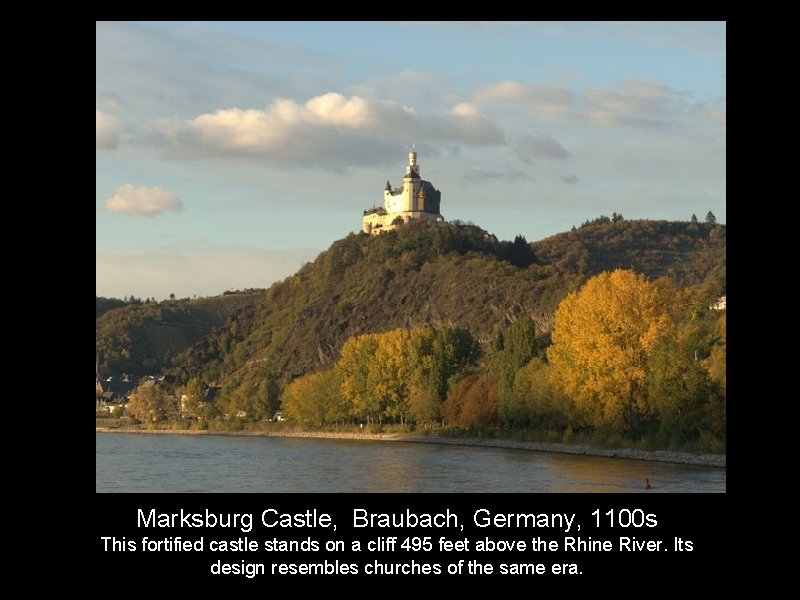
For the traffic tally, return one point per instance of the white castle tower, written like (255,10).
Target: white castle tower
(417,199)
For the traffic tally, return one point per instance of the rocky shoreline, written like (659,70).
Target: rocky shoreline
(686,458)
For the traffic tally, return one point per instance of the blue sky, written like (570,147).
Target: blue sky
(228,154)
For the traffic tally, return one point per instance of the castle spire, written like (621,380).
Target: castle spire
(413,167)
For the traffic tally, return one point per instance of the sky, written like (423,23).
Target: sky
(229,154)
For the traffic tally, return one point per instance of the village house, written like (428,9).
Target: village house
(111,394)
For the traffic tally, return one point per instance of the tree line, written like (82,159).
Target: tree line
(627,356)
(399,376)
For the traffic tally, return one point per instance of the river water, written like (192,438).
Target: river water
(190,463)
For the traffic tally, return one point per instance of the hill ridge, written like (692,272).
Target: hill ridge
(422,274)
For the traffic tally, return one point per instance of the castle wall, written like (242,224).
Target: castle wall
(376,223)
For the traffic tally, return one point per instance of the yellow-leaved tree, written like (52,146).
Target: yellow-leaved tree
(389,374)
(601,342)
(355,364)
(315,398)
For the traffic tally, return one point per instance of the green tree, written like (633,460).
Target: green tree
(518,346)
(426,377)
(436,357)
(711,219)
(270,395)
(256,397)
(518,252)
(537,402)
(716,363)
(680,392)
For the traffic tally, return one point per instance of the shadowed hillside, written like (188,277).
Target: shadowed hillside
(427,274)
(141,338)
(689,252)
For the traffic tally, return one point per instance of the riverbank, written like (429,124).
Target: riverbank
(686,458)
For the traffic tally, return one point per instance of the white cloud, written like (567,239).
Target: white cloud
(335,109)
(187,270)
(465,109)
(328,130)
(107,130)
(631,103)
(142,201)
(528,147)
(639,103)
(544,101)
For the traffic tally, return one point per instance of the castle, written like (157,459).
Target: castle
(416,200)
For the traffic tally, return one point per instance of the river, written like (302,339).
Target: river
(187,463)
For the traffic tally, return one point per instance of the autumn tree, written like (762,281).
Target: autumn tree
(375,375)
(150,402)
(400,374)
(473,403)
(357,356)
(602,340)
(389,374)
(316,399)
